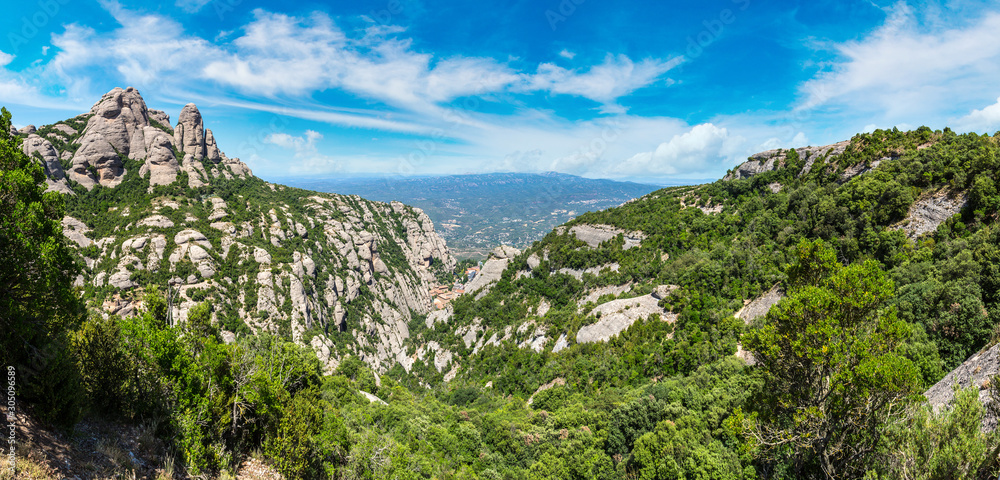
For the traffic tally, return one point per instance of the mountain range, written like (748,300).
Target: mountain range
(820,312)
(476,212)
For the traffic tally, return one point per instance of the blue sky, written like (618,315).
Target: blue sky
(634,90)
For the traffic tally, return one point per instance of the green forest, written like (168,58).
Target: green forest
(869,321)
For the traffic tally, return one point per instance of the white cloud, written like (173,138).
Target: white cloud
(567,54)
(307,157)
(910,69)
(986,119)
(276,62)
(5,59)
(377,64)
(691,152)
(616,77)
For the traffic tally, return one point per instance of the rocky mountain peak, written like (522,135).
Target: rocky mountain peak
(120,126)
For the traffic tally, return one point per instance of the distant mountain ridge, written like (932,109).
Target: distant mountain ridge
(467,210)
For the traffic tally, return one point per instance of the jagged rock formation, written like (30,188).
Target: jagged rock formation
(769,160)
(303,265)
(120,127)
(978,371)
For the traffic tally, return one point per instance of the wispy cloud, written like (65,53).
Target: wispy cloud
(910,68)
(307,157)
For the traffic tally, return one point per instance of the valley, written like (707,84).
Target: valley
(467,209)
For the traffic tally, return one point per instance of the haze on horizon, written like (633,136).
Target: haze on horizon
(649,91)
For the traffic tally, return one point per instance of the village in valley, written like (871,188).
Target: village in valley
(443,294)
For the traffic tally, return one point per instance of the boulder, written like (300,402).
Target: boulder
(189,235)
(505,251)
(28,130)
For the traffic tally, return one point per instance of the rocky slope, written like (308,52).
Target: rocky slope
(152,206)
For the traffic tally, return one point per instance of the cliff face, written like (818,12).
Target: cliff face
(342,274)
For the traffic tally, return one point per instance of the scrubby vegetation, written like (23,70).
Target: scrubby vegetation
(870,320)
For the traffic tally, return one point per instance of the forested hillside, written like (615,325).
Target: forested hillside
(779,323)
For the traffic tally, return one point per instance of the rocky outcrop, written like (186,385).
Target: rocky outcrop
(76,231)
(492,270)
(120,126)
(978,372)
(161,164)
(769,160)
(930,211)
(758,307)
(40,148)
(336,263)
(594,235)
(189,134)
(617,315)
(27,130)
(115,128)
(160,117)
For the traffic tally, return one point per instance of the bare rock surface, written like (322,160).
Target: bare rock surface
(930,211)
(769,160)
(35,146)
(189,134)
(617,315)
(492,270)
(594,235)
(156,221)
(159,116)
(372,398)
(76,231)
(759,306)
(561,344)
(115,127)
(68,130)
(977,372)
(161,164)
(441,316)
